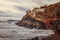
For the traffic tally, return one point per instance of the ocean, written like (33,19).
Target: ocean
(10,31)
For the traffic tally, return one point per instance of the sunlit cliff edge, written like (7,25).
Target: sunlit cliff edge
(43,17)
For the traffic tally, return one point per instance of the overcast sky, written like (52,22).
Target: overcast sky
(15,9)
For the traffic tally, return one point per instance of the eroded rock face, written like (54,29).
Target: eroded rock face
(52,37)
(56,35)
(41,17)
(31,23)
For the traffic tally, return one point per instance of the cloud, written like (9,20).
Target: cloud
(17,8)
(5,14)
(21,8)
(44,2)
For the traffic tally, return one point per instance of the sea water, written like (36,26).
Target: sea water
(10,31)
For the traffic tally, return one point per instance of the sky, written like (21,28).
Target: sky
(16,9)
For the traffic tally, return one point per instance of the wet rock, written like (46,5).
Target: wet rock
(34,38)
(55,36)
(32,23)
(52,37)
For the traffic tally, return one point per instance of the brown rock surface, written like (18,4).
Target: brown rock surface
(52,37)
(55,36)
(41,17)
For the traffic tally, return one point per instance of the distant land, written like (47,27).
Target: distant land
(8,18)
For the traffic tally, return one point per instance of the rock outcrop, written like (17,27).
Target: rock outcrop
(56,35)
(41,17)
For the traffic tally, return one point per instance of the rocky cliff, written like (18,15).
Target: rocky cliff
(41,17)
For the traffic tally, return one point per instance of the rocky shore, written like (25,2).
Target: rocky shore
(44,17)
